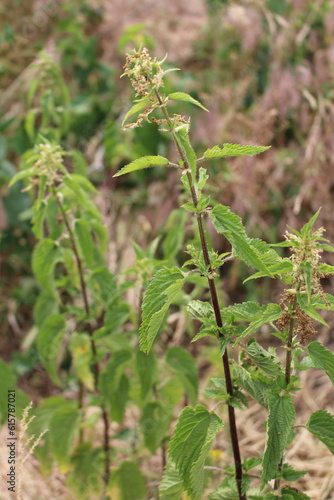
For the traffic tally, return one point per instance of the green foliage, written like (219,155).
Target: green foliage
(170,487)
(50,337)
(233,150)
(127,483)
(322,358)
(64,429)
(321,425)
(230,225)
(184,366)
(280,419)
(190,445)
(160,293)
(144,162)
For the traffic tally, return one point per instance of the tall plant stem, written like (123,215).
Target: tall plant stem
(89,327)
(215,305)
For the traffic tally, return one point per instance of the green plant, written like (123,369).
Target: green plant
(86,334)
(259,371)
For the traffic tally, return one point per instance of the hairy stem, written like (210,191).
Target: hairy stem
(89,327)
(215,304)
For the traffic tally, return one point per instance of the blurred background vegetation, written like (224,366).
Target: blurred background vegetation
(264,69)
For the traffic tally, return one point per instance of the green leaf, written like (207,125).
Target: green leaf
(143,162)
(110,377)
(256,384)
(182,96)
(86,244)
(146,366)
(266,361)
(23,174)
(161,292)
(309,309)
(49,341)
(64,428)
(305,230)
(45,306)
(234,150)
(322,358)
(183,138)
(84,479)
(251,311)
(127,483)
(190,445)
(321,425)
(281,417)
(170,487)
(294,494)
(80,348)
(184,365)
(141,104)
(230,225)
(118,399)
(154,424)
(227,490)
(44,258)
(199,309)
(290,474)
(103,286)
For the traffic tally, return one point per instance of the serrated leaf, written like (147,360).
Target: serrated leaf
(234,150)
(322,358)
(49,340)
(146,366)
(161,292)
(183,138)
(141,163)
(182,96)
(309,309)
(230,225)
(251,312)
(44,258)
(190,445)
(64,428)
(185,367)
(256,384)
(154,424)
(141,104)
(281,416)
(127,483)
(321,425)
(170,487)
(227,489)
(295,494)
(199,309)
(290,474)
(266,361)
